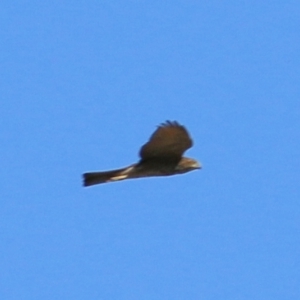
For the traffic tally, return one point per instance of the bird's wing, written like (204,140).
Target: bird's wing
(168,142)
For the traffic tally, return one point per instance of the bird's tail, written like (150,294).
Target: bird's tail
(108,176)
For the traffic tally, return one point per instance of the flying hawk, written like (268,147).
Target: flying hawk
(160,156)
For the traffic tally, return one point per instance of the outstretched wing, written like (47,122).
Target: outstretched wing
(167,143)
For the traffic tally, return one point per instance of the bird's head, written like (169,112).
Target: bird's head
(187,164)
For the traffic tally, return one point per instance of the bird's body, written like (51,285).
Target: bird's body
(160,156)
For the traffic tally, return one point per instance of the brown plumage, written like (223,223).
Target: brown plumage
(160,156)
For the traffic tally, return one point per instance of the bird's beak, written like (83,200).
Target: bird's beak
(197,165)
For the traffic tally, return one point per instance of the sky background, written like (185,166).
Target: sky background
(83,86)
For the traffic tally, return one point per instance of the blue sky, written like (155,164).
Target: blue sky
(83,86)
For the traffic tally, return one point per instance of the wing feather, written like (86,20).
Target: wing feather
(167,143)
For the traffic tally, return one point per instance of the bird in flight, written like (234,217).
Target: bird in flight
(160,156)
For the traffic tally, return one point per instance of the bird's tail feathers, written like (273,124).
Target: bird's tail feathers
(93,178)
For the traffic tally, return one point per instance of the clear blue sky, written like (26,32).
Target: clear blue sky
(84,84)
